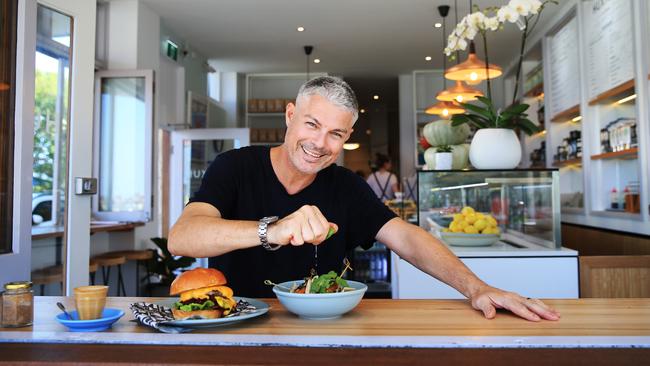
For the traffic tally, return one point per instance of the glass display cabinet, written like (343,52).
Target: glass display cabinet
(524,255)
(525,203)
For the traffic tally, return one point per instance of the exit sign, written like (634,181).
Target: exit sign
(172,50)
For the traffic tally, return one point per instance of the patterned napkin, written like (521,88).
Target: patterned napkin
(156,316)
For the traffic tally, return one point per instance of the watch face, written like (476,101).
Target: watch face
(270,219)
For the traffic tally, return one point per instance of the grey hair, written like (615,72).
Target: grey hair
(333,89)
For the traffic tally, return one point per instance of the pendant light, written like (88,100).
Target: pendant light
(308,50)
(473,70)
(444,108)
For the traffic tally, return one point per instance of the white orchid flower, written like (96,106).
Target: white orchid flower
(492,23)
(477,20)
(447,51)
(535,5)
(506,13)
(522,7)
(462,44)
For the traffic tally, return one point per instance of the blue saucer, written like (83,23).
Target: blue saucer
(109,316)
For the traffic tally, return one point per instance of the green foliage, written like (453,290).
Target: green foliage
(44,130)
(443,149)
(165,264)
(486,116)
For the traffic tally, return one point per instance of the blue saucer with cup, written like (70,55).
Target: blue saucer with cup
(109,316)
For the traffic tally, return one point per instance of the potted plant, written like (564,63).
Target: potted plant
(495,145)
(165,266)
(443,157)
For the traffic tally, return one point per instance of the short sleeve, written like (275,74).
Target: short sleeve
(219,184)
(366,212)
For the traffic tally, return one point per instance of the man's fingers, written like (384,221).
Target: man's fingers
(521,309)
(538,307)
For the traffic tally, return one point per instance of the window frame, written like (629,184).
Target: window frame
(9,145)
(145,215)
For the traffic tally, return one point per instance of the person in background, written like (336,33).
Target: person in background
(382,181)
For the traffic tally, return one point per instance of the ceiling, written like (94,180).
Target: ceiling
(353,38)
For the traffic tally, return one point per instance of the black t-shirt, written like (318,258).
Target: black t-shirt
(242,185)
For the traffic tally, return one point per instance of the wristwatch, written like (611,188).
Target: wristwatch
(262,232)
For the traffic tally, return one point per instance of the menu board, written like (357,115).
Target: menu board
(609,44)
(565,83)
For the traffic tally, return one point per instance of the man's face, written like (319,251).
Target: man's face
(316,131)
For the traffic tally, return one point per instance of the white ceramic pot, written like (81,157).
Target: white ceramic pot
(443,161)
(495,148)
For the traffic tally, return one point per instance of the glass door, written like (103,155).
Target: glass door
(62,136)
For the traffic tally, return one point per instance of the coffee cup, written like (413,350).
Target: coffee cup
(90,301)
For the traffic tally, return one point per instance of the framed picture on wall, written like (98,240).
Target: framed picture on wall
(197,110)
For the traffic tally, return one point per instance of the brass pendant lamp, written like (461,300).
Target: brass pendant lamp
(473,70)
(444,108)
(459,93)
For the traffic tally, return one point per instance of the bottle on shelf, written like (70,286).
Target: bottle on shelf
(613,198)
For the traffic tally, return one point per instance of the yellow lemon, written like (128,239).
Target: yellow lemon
(480,224)
(458,217)
(496,230)
(479,216)
(470,218)
(491,221)
(445,230)
(470,230)
(467,210)
(453,225)
(456,229)
(462,224)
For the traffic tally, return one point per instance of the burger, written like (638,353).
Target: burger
(203,294)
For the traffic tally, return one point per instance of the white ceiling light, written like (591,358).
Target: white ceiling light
(351,146)
(316,60)
(438,25)
(300,29)
(375,97)
(428,58)
(362,110)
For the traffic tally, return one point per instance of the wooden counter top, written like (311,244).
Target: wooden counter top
(409,325)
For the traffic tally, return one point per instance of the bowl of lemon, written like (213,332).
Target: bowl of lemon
(471,229)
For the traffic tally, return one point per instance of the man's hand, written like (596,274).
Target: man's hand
(307,225)
(488,299)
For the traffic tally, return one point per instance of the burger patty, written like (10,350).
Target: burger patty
(212,296)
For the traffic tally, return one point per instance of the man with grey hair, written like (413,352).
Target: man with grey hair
(265,213)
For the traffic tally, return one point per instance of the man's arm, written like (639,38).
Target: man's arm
(428,254)
(202,232)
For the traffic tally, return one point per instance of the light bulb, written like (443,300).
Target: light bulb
(445,112)
(473,76)
(459,98)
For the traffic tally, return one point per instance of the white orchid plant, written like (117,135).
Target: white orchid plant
(525,14)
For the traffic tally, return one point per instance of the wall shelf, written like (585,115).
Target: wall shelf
(535,91)
(567,115)
(561,164)
(622,90)
(623,155)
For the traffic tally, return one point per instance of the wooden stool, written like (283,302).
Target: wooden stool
(47,275)
(92,269)
(108,260)
(141,257)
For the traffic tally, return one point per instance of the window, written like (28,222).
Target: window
(8,16)
(123,145)
(51,111)
(214,85)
